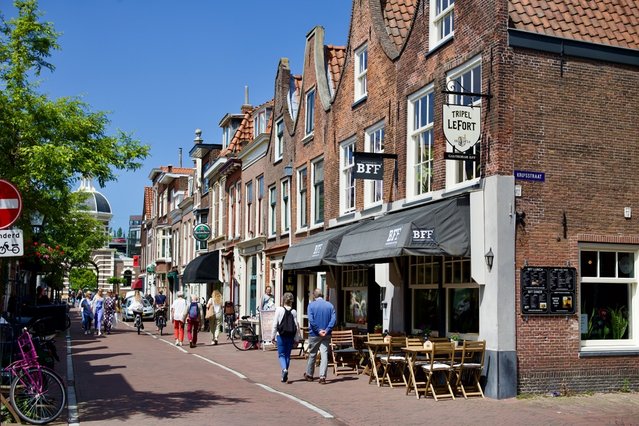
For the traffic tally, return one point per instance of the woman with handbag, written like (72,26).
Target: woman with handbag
(87,312)
(214,315)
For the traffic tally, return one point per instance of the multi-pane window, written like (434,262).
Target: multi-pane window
(354,282)
(309,125)
(466,78)
(238,209)
(374,142)
(249,217)
(260,121)
(361,70)
(286,205)
(318,192)
(608,294)
(442,21)
(346,178)
(419,173)
(260,206)
(461,295)
(279,139)
(272,210)
(231,210)
(215,229)
(164,243)
(205,180)
(302,203)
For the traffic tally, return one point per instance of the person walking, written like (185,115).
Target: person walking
(87,312)
(109,312)
(214,315)
(98,311)
(79,296)
(178,314)
(193,320)
(321,320)
(288,332)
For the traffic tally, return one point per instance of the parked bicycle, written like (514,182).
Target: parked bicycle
(230,317)
(244,337)
(37,393)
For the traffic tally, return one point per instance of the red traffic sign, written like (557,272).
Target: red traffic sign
(10,204)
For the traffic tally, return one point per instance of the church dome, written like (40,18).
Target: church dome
(96,203)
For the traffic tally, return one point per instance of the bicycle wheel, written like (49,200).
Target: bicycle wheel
(161,325)
(38,397)
(243,337)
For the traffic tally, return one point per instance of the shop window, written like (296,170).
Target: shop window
(355,287)
(608,284)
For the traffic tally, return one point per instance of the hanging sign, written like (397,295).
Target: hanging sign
(462,126)
(368,165)
(11,243)
(202,232)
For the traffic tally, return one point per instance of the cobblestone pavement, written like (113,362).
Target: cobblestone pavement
(145,378)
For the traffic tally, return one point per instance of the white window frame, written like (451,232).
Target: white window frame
(611,345)
(249,207)
(420,161)
(238,209)
(347,187)
(442,22)
(302,199)
(457,175)
(279,139)
(259,208)
(309,111)
(285,203)
(272,210)
(316,218)
(215,209)
(231,199)
(361,72)
(374,142)
(260,121)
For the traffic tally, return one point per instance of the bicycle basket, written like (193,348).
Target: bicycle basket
(27,349)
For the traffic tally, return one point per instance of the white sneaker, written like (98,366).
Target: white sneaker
(99,333)
(177,342)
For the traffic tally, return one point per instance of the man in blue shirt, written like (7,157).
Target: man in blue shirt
(321,320)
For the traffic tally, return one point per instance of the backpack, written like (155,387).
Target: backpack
(193,311)
(287,327)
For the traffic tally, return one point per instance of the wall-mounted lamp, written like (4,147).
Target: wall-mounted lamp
(490,257)
(288,170)
(520,218)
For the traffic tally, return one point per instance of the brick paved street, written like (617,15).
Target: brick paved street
(145,379)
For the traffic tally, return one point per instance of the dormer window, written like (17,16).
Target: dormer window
(309,126)
(260,121)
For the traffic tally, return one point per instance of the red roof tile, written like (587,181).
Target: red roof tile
(335,57)
(611,22)
(398,15)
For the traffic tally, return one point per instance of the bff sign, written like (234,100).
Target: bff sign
(368,165)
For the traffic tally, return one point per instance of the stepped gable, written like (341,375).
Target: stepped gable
(335,58)
(610,22)
(398,17)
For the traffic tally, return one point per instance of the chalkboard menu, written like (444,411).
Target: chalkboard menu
(548,290)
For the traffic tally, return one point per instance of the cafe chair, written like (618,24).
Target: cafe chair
(345,357)
(468,370)
(394,362)
(439,370)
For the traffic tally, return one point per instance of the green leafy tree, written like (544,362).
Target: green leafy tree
(82,278)
(48,145)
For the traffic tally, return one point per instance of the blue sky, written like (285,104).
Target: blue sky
(162,68)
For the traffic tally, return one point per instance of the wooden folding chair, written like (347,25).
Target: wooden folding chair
(344,354)
(439,369)
(393,362)
(470,367)
(301,346)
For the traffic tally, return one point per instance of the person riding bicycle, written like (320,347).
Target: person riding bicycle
(137,306)
(160,307)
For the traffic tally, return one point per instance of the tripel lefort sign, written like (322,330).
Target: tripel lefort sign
(462,126)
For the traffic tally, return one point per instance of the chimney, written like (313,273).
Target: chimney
(246,108)
(180,157)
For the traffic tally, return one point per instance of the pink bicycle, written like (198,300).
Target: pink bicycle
(37,393)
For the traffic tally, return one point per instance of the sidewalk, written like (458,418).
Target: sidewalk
(347,399)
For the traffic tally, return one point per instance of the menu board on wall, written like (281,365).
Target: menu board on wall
(548,290)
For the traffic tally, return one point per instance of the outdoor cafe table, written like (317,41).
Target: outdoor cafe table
(412,361)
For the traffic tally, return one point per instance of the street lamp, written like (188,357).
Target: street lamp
(37,221)
(490,257)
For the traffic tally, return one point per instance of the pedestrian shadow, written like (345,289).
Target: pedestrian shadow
(123,403)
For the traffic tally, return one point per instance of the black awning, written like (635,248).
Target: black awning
(439,228)
(203,269)
(317,250)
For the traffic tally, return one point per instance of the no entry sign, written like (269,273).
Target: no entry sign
(10,204)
